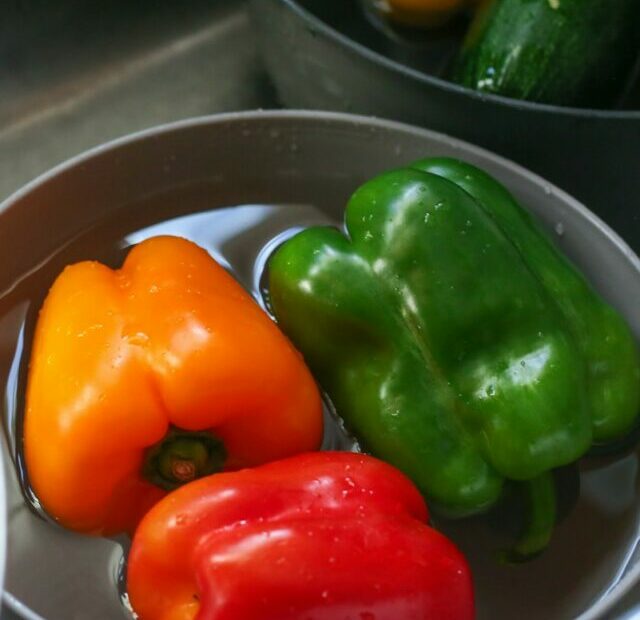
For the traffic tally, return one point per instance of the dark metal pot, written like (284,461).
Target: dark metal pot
(593,154)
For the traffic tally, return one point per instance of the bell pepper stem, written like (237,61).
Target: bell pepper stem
(183,456)
(540,493)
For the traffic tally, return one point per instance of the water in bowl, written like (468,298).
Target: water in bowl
(587,556)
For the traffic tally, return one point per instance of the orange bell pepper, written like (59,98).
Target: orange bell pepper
(423,13)
(146,377)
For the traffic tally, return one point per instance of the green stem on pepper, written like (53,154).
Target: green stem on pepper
(540,493)
(183,456)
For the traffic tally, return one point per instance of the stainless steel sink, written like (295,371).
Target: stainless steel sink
(79,75)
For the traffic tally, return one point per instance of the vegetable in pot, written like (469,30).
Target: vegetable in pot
(563,52)
(422,13)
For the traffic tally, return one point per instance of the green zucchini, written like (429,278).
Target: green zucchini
(564,52)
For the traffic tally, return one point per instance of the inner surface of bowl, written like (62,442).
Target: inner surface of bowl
(238,185)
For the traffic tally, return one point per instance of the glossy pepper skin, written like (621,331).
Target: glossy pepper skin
(148,376)
(319,536)
(454,340)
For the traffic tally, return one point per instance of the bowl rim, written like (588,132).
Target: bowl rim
(632,577)
(431,80)
(4,525)
(326,116)
(17,607)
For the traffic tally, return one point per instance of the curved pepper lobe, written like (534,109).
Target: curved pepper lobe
(124,359)
(613,365)
(320,535)
(377,568)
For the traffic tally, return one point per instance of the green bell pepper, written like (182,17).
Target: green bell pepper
(455,341)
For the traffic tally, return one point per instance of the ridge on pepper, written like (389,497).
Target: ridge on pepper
(455,341)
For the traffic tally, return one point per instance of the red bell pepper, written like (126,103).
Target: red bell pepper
(319,536)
